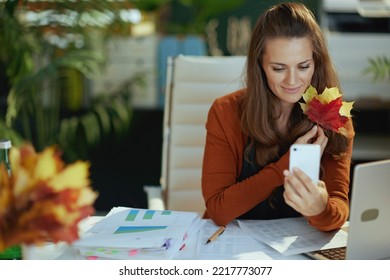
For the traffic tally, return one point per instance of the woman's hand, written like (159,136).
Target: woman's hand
(315,135)
(302,194)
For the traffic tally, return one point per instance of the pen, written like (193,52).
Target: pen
(216,234)
(167,243)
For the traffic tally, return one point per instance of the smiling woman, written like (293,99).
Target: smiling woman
(250,131)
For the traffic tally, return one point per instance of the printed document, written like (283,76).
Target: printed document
(292,235)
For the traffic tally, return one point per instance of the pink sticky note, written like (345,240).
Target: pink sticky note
(133,252)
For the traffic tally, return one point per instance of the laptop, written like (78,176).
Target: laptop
(369,219)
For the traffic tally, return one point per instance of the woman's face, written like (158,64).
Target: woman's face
(289,66)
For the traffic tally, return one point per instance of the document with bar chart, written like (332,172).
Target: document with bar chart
(129,232)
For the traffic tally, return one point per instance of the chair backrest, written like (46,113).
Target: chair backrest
(193,83)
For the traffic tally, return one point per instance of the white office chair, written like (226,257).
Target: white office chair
(193,83)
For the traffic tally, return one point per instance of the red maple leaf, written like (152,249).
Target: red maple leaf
(327,115)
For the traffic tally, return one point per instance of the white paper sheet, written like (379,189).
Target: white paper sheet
(292,235)
(234,243)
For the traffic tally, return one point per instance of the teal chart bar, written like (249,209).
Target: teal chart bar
(132,215)
(149,215)
(131,229)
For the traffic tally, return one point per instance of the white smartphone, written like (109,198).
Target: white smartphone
(306,157)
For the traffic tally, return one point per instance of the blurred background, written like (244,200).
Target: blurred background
(89,76)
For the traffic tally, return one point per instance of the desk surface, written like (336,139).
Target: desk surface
(238,248)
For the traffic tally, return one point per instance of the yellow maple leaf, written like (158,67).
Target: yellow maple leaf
(86,197)
(308,95)
(5,191)
(328,95)
(46,166)
(346,108)
(74,176)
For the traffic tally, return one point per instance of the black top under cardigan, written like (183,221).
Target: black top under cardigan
(274,207)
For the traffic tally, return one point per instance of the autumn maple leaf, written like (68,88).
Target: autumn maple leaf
(327,109)
(44,199)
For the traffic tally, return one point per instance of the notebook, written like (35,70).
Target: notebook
(369,220)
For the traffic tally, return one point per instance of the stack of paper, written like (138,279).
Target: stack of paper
(130,233)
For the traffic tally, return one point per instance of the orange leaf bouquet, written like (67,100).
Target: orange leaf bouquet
(43,199)
(326,109)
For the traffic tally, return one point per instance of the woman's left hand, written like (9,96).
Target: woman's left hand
(315,135)
(302,194)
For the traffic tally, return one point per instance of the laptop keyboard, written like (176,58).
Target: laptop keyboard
(332,254)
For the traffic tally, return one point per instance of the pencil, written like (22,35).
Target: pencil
(216,234)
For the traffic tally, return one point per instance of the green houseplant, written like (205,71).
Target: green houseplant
(379,68)
(46,61)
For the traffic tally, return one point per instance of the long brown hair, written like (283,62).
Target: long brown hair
(259,107)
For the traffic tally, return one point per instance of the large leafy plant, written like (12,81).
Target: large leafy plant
(38,55)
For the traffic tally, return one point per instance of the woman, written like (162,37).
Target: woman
(249,131)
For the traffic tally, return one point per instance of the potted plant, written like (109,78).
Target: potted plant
(379,68)
(42,57)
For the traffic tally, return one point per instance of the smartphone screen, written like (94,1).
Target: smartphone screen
(307,158)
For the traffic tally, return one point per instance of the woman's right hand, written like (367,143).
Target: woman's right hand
(315,135)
